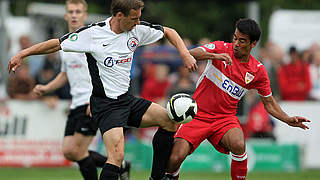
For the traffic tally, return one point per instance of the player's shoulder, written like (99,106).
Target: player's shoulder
(92,26)
(256,64)
(148,25)
(222,44)
(84,30)
(219,46)
(96,25)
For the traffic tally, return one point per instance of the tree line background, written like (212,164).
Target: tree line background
(194,19)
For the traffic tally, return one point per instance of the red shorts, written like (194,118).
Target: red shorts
(197,131)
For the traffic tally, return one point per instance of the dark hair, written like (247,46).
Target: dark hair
(249,27)
(125,6)
(292,49)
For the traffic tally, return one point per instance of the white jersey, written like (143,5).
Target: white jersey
(76,67)
(110,55)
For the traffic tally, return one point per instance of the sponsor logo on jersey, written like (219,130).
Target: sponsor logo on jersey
(73,37)
(232,88)
(248,78)
(224,83)
(109,61)
(74,66)
(210,46)
(132,43)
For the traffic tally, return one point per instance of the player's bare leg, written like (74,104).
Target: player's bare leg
(75,148)
(180,151)
(157,115)
(162,141)
(114,142)
(234,141)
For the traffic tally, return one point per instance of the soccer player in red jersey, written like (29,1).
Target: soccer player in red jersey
(230,72)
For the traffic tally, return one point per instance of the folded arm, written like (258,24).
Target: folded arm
(200,54)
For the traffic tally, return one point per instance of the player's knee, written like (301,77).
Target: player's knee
(169,125)
(176,159)
(238,147)
(178,155)
(71,153)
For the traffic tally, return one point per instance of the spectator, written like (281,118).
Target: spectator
(259,123)
(47,74)
(306,56)
(182,82)
(35,64)
(294,78)
(203,41)
(315,76)
(21,84)
(156,85)
(272,56)
(49,71)
(188,43)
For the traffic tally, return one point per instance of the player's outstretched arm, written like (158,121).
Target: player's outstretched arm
(46,47)
(175,39)
(56,83)
(199,54)
(273,108)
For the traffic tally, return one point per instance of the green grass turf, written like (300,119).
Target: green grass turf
(73,174)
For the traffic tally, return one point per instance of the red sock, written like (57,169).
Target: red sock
(239,166)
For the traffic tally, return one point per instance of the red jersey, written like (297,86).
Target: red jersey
(221,86)
(294,81)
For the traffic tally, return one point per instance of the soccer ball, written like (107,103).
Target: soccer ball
(181,108)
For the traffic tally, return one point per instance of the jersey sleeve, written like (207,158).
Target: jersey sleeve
(78,41)
(149,33)
(262,84)
(215,47)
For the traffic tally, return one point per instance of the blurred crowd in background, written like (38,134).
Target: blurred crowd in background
(158,73)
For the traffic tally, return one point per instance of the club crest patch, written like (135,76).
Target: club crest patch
(132,43)
(248,78)
(73,37)
(210,46)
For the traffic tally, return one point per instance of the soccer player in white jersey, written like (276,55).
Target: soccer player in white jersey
(109,48)
(227,77)
(80,127)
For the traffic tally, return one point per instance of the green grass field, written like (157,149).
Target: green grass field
(73,174)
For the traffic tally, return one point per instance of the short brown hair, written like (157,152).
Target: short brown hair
(125,6)
(83,2)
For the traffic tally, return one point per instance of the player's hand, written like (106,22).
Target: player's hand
(40,90)
(190,63)
(297,121)
(224,57)
(14,63)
